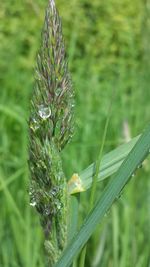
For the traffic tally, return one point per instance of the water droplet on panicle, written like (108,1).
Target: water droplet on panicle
(34,125)
(33,204)
(38,76)
(44,112)
(47,211)
(58,205)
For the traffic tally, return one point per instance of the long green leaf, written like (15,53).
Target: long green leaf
(112,191)
(110,163)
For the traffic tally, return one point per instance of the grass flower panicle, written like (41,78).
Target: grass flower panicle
(50,128)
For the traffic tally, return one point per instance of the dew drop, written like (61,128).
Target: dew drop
(44,112)
(59,206)
(33,204)
(34,125)
(140,166)
(133,175)
(47,211)
(38,76)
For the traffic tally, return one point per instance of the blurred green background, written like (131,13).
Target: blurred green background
(108,47)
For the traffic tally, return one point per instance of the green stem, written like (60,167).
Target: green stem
(95,177)
(94,183)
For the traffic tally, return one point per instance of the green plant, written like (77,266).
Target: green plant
(50,130)
(50,127)
(111,193)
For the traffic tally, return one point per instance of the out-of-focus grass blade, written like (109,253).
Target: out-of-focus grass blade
(112,191)
(11,179)
(109,165)
(11,200)
(15,114)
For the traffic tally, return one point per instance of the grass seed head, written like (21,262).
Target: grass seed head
(50,129)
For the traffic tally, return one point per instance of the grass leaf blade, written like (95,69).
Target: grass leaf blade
(109,165)
(139,152)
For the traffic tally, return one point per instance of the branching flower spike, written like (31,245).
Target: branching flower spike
(50,128)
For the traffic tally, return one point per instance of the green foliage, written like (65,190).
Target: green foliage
(113,190)
(110,163)
(108,46)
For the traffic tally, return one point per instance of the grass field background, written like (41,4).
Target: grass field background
(108,48)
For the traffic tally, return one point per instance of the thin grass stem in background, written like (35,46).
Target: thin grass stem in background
(96,173)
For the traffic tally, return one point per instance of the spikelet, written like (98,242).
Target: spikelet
(50,129)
